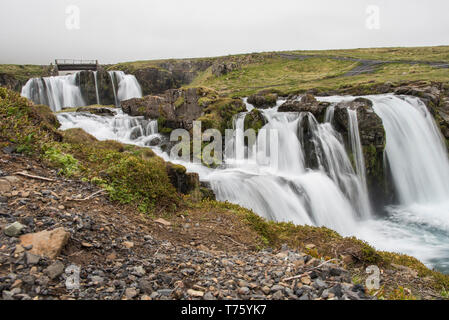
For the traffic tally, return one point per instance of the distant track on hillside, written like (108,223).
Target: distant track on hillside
(365,65)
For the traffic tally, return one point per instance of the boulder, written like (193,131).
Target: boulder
(307,103)
(223,68)
(98,110)
(255,120)
(10,82)
(263,99)
(176,108)
(183,181)
(46,243)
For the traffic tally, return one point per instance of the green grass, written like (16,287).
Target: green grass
(293,76)
(440,53)
(275,72)
(24,72)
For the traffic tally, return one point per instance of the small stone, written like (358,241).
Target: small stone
(139,271)
(278,295)
(14,230)
(266,290)
(320,284)
(277,288)
(145,286)
(97,280)
(130,293)
(244,291)
(54,270)
(5,186)
(163,222)
(19,249)
(194,293)
(32,259)
(128,244)
(209,296)
(306,280)
(7,295)
(165,292)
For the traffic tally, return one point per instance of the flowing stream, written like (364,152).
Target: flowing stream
(279,185)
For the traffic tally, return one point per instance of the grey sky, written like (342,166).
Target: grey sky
(34,31)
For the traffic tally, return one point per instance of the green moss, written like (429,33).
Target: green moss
(219,115)
(254,120)
(179,102)
(67,164)
(25,125)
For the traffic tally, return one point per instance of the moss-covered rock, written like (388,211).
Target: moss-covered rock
(307,103)
(373,140)
(263,99)
(220,114)
(255,120)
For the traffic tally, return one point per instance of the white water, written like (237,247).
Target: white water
(128,86)
(333,194)
(96,87)
(64,91)
(356,147)
(56,92)
(112,77)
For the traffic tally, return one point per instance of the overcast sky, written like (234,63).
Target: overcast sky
(35,31)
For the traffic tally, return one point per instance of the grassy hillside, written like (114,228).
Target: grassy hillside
(440,53)
(24,72)
(290,76)
(292,71)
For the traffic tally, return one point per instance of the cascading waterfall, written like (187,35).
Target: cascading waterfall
(96,87)
(112,77)
(56,92)
(333,160)
(415,150)
(333,193)
(356,146)
(121,127)
(65,91)
(128,86)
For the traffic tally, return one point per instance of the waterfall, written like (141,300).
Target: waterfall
(356,146)
(56,92)
(112,77)
(415,150)
(329,115)
(66,91)
(331,193)
(334,161)
(121,127)
(128,86)
(96,87)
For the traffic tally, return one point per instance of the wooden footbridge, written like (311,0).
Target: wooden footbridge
(76,65)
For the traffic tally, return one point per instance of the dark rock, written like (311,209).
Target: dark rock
(373,140)
(55,270)
(254,120)
(183,181)
(263,99)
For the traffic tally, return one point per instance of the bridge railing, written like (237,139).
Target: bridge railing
(75,62)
